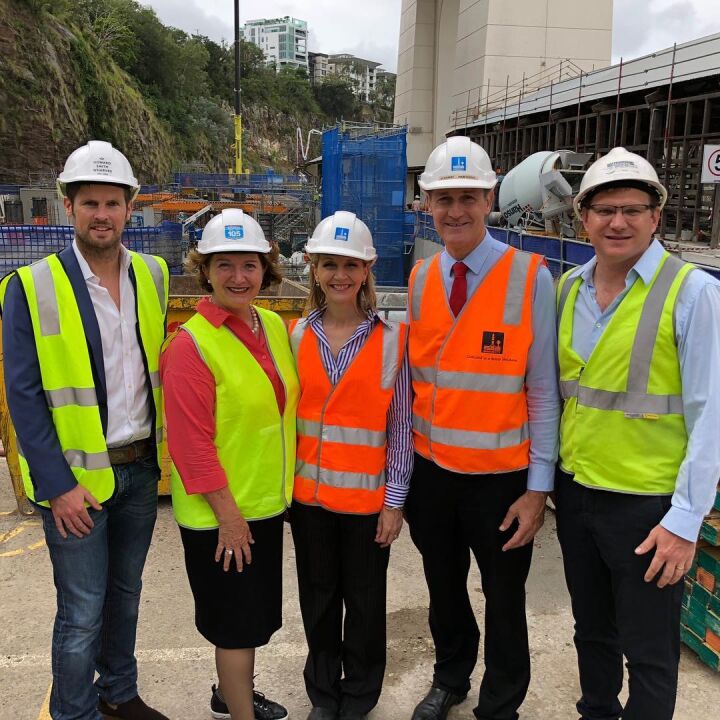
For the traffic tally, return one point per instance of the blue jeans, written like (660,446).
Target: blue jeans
(98,582)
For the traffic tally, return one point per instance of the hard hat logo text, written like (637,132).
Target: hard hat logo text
(101,166)
(620,165)
(458,163)
(234,232)
(342,233)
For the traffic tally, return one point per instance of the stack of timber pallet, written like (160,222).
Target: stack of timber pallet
(700,619)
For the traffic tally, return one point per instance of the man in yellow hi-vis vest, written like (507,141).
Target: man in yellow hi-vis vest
(639,353)
(82,332)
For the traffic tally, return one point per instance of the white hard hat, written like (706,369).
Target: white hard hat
(233,231)
(458,163)
(342,234)
(620,166)
(97,162)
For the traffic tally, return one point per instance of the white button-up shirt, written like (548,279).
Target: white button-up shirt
(129,414)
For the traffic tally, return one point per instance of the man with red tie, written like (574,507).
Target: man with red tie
(483,355)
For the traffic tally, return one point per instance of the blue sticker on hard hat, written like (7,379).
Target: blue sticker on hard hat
(458,163)
(342,233)
(234,232)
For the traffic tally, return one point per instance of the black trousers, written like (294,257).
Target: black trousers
(340,564)
(616,612)
(450,516)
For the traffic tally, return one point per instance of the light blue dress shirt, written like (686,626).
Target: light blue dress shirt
(541,375)
(697,332)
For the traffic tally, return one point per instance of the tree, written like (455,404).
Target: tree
(382,100)
(110,22)
(336,98)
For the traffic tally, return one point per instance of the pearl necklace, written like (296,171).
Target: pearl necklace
(255,321)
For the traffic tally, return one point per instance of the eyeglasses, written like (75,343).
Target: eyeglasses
(630,212)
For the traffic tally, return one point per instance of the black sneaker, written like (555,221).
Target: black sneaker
(265,709)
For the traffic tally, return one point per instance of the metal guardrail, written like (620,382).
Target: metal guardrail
(561,254)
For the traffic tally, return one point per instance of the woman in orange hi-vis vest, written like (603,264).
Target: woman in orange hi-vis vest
(354,460)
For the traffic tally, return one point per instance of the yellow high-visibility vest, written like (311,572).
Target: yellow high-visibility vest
(66,366)
(622,426)
(255,444)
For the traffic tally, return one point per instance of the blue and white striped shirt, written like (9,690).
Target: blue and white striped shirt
(399,462)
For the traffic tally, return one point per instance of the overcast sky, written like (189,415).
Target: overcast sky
(370,28)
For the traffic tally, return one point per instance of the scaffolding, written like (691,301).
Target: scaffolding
(364,169)
(664,106)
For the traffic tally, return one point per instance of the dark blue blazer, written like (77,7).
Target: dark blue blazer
(51,476)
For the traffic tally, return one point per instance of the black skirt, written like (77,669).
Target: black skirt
(237,609)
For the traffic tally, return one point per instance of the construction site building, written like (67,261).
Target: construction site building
(664,106)
(456,52)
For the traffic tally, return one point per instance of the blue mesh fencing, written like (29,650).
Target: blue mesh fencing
(364,172)
(24,244)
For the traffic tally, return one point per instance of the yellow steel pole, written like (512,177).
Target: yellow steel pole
(238,145)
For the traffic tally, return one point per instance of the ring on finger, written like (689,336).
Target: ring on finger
(228,551)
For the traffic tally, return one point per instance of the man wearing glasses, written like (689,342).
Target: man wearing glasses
(639,353)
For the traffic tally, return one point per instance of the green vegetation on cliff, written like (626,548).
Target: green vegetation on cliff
(73,70)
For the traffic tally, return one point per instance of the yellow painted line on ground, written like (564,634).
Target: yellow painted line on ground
(10,534)
(12,553)
(45,709)
(7,512)
(36,545)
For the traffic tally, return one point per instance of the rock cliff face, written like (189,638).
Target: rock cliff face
(57,90)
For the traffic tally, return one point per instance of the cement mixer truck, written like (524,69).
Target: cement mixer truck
(537,194)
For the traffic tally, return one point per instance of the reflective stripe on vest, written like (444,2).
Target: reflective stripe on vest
(342,466)
(255,444)
(476,360)
(624,405)
(636,399)
(69,386)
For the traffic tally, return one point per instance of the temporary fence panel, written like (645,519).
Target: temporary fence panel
(257,181)
(364,172)
(24,244)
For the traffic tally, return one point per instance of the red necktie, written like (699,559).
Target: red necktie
(458,293)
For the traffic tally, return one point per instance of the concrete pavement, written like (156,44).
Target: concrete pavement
(177,666)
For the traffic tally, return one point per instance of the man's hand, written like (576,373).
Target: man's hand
(389,526)
(529,511)
(673,555)
(70,512)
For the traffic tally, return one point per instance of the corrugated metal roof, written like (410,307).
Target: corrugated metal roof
(695,59)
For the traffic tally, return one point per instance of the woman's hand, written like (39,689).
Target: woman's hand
(234,540)
(389,526)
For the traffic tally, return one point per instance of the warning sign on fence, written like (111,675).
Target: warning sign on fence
(711,164)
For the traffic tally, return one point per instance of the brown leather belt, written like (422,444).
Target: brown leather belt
(132,452)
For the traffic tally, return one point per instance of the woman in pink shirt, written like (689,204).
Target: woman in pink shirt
(231,392)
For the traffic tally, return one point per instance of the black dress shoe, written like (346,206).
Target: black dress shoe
(134,709)
(435,705)
(321,713)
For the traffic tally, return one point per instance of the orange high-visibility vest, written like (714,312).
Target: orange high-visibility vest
(470,408)
(341,450)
